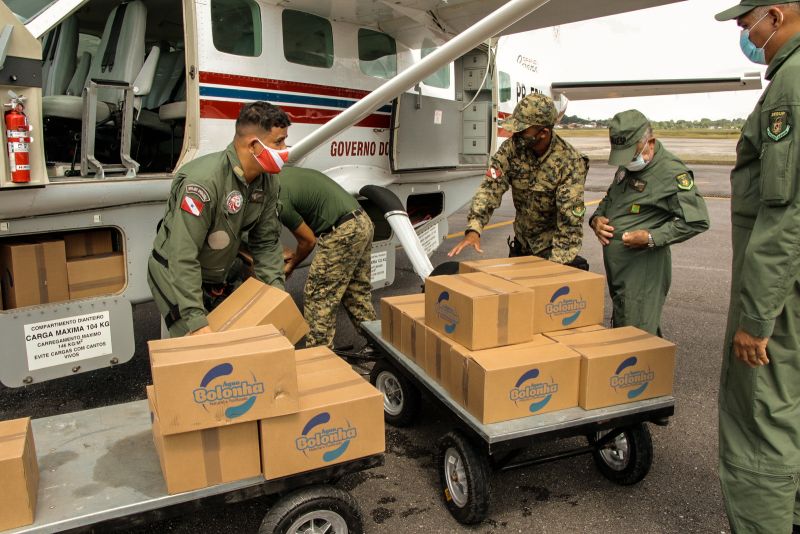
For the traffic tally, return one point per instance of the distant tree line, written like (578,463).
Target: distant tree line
(725,124)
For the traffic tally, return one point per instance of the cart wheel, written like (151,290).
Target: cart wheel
(314,509)
(464,476)
(400,397)
(627,458)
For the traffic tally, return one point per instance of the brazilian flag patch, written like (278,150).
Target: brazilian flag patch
(579,212)
(685,181)
(779,126)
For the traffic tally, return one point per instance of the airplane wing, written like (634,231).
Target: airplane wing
(410,21)
(621,89)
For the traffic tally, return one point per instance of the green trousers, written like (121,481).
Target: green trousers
(759,426)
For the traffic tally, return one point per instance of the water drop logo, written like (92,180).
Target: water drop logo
(568,308)
(527,389)
(446,312)
(319,435)
(628,377)
(225,391)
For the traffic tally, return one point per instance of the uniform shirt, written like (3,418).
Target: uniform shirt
(310,196)
(765,201)
(547,193)
(210,207)
(661,198)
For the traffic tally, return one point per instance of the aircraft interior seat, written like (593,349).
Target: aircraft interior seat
(119,57)
(78,81)
(168,74)
(176,110)
(60,48)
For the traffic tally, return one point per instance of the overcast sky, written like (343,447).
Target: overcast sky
(676,41)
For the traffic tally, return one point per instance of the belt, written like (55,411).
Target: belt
(341,220)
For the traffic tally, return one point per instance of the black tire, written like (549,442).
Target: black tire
(626,460)
(323,504)
(456,458)
(401,398)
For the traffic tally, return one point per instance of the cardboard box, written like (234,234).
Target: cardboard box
(88,243)
(255,303)
(478,310)
(391,309)
(223,378)
(501,264)
(19,471)
(437,351)
(318,359)
(33,273)
(622,365)
(412,328)
(340,419)
(96,275)
(517,381)
(581,330)
(564,297)
(195,460)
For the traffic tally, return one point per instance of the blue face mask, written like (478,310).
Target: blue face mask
(638,162)
(751,51)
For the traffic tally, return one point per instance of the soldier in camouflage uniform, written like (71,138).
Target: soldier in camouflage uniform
(323,215)
(546,176)
(651,204)
(214,201)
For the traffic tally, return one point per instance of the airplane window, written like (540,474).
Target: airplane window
(377,54)
(440,78)
(236,27)
(307,39)
(505,87)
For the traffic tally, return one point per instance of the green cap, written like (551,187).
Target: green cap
(533,110)
(744,7)
(625,131)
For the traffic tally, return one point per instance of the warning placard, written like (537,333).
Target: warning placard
(379,260)
(67,340)
(430,239)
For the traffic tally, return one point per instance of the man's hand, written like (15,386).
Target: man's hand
(603,231)
(750,349)
(288,268)
(471,239)
(635,239)
(288,255)
(204,330)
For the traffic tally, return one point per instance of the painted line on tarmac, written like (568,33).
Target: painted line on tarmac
(506,223)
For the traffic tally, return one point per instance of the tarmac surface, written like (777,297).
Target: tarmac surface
(719,151)
(680,494)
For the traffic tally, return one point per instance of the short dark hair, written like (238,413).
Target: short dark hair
(263,115)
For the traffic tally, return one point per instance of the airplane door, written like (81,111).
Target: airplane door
(425,133)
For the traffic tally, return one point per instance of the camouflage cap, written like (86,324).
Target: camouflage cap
(533,110)
(744,7)
(625,131)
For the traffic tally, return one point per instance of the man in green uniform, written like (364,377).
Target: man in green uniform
(759,399)
(320,213)
(546,176)
(214,200)
(651,204)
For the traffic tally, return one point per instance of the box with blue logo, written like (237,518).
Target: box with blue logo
(564,297)
(223,378)
(517,381)
(622,365)
(493,265)
(572,331)
(478,310)
(318,359)
(195,460)
(340,419)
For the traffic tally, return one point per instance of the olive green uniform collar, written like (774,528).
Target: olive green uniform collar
(236,165)
(783,54)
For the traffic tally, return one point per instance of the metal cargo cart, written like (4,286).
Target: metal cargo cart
(99,471)
(617,437)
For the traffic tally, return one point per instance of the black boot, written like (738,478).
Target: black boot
(795,529)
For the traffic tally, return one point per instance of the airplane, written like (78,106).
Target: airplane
(395,100)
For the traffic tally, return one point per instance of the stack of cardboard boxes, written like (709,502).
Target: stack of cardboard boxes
(241,402)
(510,338)
(76,265)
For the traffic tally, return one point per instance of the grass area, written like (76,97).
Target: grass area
(693,133)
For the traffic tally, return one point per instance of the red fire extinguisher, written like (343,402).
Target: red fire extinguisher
(19,139)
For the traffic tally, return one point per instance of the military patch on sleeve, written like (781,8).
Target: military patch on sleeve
(198,191)
(494,173)
(635,208)
(579,211)
(779,126)
(685,181)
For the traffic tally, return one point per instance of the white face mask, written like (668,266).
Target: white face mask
(638,162)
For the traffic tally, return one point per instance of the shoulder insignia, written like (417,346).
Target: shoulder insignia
(233,202)
(579,211)
(635,208)
(685,181)
(198,191)
(192,206)
(494,173)
(620,175)
(779,126)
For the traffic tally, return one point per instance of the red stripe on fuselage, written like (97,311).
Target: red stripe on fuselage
(251,82)
(220,109)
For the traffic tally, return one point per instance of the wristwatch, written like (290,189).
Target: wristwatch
(650,242)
